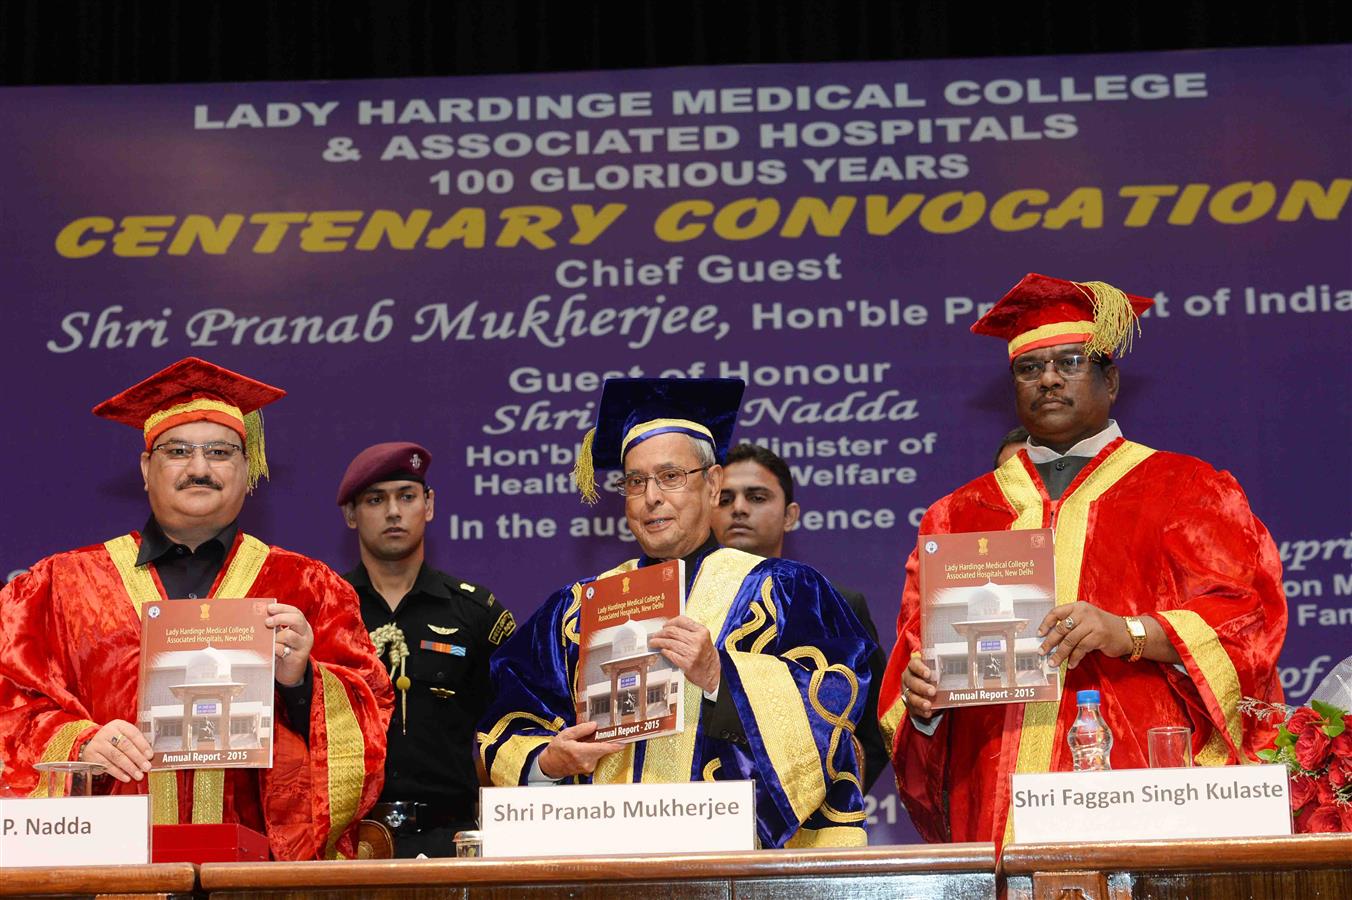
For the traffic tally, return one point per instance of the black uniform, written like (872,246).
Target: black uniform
(451,628)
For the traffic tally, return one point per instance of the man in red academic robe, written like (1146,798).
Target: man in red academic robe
(70,635)
(1168,587)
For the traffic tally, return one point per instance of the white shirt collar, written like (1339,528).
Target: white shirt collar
(1089,447)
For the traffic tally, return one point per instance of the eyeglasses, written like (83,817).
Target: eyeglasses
(181,452)
(1075,365)
(667,479)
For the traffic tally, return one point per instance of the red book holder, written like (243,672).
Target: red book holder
(207,843)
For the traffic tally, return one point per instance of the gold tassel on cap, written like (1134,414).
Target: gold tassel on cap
(1113,320)
(584,472)
(254,450)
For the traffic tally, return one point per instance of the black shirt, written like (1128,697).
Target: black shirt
(451,628)
(692,560)
(1059,473)
(189,574)
(185,573)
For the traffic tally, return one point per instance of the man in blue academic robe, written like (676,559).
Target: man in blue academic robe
(776,664)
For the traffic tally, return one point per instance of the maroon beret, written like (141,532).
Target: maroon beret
(392,461)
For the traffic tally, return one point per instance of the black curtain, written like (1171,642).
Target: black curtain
(140,41)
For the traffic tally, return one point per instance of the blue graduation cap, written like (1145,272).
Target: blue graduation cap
(635,409)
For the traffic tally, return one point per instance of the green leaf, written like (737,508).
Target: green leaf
(1284,737)
(1335,728)
(1330,712)
(1267,755)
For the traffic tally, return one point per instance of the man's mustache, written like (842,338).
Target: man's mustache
(199,481)
(1058,398)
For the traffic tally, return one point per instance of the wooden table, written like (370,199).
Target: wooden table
(953,872)
(1302,866)
(1306,865)
(166,881)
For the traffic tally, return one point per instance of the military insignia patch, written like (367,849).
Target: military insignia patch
(502,628)
(437,646)
(439,630)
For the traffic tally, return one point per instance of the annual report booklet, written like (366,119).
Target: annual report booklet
(982,596)
(630,690)
(205,696)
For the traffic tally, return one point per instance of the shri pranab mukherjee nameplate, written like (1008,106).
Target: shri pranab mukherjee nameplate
(591,819)
(75,831)
(1145,804)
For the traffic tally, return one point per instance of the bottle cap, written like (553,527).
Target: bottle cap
(1087,697)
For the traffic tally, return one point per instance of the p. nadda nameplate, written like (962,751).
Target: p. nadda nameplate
(75,831)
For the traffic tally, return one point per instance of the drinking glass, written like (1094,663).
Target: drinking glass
(1170,747)
(80,774)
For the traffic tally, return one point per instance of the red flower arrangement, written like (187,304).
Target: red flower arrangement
(1315,744)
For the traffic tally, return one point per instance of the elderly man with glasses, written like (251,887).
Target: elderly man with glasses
(70,639)
(1168,587)
(775,663)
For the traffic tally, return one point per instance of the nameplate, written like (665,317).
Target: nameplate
(75,831)
(1144,804)
(591,819)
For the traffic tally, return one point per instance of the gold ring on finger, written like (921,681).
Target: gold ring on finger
(1068,624)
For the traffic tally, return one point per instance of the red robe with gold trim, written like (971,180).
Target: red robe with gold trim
(70,639)
(1138,532)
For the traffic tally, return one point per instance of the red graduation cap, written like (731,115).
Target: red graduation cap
(194,390)
(1041,311)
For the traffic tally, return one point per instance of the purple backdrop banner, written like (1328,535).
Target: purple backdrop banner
(460,261)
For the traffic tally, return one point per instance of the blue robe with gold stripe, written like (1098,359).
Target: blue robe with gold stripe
(794,663)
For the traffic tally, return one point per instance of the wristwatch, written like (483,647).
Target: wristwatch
(1136,629)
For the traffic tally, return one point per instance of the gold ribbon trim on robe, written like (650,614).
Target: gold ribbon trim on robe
(208,796)
(53,784)
(1037,735)
(777,706)
(809,838)
(510,760)
(208,785)
(671,758)
(1221,678)
(347,758)
(890,723)
(785,730)
(778,694)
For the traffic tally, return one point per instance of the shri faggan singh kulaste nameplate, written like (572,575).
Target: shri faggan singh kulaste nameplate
(630,690)
(982,597)
(205,698)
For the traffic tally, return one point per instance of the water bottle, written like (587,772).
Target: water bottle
(1090,741)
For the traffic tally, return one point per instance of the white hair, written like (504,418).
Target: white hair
(704,451)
